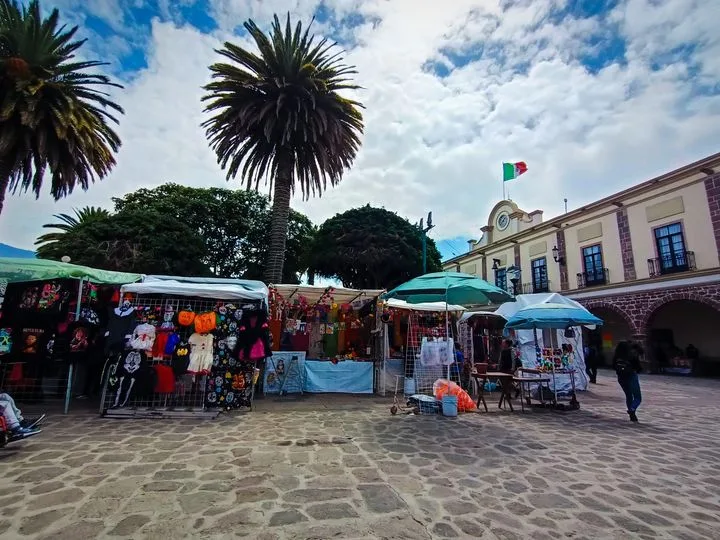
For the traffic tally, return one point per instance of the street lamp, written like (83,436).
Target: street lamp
(514,273)
(424,231)
(556,256)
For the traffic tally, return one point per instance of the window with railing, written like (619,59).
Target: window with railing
(594,274)
(538,269)
(672,253)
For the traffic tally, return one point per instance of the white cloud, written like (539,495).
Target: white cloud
(437,143)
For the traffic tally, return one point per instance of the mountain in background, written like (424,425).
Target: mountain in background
(10,251)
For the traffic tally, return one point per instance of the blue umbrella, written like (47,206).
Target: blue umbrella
(450,287)
(551,315)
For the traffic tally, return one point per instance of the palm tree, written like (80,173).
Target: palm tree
(53,114)
(278,116)
(68,223)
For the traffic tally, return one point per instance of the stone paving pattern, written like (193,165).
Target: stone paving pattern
(328,467)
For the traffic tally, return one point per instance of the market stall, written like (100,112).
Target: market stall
(405,326)
(481,335)
(324,339)
(52,316)
(546,328)
(430,352)
(185,347)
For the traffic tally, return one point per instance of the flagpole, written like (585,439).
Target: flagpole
(503,182)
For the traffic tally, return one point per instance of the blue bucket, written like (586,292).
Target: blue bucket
(409,386)
(450,406)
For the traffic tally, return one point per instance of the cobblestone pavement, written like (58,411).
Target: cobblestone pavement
(323,467)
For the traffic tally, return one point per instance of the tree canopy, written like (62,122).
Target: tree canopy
(235,226)
(67,223)
(370,248)
(133,240)
(278,115)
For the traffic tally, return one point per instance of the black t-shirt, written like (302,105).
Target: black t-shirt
(181,359)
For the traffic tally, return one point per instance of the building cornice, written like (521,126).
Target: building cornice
(615,201)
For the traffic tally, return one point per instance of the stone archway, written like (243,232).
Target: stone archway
(617,327)
(616,310)
(653,308)
(678,323)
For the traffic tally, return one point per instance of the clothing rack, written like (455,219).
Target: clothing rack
(194,395)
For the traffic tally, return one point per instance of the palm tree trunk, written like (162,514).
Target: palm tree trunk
(279,226)
(4,183)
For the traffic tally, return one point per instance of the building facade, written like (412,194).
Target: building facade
(646,260)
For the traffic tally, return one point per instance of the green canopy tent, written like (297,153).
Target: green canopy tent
(19,270)
(23,270)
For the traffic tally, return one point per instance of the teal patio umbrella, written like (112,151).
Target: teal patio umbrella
(450,287)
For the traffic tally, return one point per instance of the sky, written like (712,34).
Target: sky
(594,95)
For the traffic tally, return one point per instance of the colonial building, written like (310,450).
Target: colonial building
(646,260)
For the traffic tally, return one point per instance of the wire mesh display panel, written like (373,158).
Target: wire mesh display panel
(35,381)
(421,369)
(172,393)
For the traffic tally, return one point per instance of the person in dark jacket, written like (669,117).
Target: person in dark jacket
(627,366)
(506,358)
(591,363)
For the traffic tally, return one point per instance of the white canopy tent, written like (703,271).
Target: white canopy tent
(313,293)
(241,290)
(426,306)
(526,338)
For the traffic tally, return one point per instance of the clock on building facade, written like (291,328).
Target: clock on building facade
(503,220)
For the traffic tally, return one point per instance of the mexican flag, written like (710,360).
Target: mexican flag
(513,170)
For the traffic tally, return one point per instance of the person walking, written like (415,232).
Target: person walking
(591,363)
(627,366)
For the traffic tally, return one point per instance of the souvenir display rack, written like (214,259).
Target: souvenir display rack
(49,332)
(420,375)
(229,385)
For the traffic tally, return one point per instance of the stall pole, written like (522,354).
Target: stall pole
(70,367)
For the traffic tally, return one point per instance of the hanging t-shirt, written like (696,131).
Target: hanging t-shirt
(31,341)
(5,341)
(201,353)
(180,358)
(120,324)
(143,337)
(80,338)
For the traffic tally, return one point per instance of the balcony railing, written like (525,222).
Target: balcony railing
(538,287)
(683,261)
(593,278)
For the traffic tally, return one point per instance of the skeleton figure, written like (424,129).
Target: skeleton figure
(129,370)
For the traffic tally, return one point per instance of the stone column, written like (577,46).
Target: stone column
(626,251)
(483,262)
(647,361)
(712,190)
(564,281)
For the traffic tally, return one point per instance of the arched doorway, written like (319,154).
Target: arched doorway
(684,337)
(615,329)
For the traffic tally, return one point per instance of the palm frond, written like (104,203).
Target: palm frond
(55,113)
(280,107)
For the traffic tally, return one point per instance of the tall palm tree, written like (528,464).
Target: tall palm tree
(277,114)
(54,113)
(68,223)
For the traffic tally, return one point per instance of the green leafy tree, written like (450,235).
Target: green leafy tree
(370,248)
(133,240)
(68,223)
(55,114)
(233,224)
(278,116)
